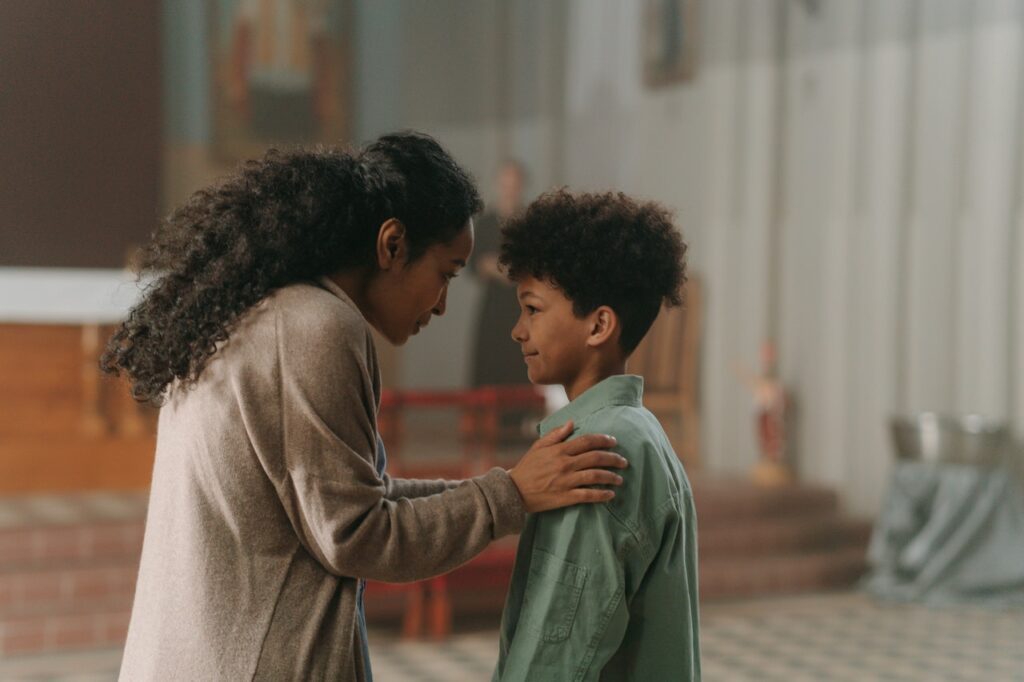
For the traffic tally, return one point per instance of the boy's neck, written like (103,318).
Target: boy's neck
(593,375)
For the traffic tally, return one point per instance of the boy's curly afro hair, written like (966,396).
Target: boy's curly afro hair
(600,249)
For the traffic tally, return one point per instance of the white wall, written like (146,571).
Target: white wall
(849,182)
(848,179)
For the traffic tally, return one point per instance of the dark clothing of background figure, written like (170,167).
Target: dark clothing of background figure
(497,359)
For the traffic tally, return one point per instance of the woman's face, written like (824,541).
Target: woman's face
(403,296)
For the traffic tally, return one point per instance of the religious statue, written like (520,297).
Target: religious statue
(771,404)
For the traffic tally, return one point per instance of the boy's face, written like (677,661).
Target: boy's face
(553,340)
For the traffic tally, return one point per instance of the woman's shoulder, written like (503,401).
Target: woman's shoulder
(307,326)
(311,307)
(308,316)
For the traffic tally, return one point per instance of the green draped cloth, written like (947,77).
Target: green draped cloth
(950,533)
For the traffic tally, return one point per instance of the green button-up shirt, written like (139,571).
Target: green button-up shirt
(609,591)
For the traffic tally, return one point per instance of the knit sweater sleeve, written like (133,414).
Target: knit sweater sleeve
(316,432)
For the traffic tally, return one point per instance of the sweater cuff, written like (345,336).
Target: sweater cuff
(507,507)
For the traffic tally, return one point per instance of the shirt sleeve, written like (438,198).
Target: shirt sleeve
(318,442)
(573,613)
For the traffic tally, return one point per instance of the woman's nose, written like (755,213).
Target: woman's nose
(442,303)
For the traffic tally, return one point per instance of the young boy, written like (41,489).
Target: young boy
(604,591)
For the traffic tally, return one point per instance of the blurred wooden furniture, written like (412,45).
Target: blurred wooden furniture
(428,606)
(669,360)
(63,424)
(479,410)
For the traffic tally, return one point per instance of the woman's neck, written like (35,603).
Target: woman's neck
(355,284)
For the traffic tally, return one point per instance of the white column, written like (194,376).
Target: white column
(719,83)
(993,123)
(936,191)
(879,230)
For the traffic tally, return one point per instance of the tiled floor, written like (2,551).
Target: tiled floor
(822,638)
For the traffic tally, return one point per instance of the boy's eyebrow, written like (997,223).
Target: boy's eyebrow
(458,261)
(526,292)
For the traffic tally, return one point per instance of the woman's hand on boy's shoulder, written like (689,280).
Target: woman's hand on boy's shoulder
(555,473)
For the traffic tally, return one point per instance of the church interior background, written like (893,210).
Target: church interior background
(845,386)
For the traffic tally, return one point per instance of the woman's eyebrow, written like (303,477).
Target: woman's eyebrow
(458,261)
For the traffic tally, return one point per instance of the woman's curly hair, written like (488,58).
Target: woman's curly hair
(600,249)
(287,217)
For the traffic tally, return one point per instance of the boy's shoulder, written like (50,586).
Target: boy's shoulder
(635,428)
(654,480)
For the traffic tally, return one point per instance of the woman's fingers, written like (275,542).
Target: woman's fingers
(590,441)
(555,435)
(594,477)
(585,495)
(598,460)
(554,473)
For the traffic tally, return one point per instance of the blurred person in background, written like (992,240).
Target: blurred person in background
(270,504)
(496,358)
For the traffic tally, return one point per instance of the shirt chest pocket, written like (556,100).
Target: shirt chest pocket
(552,596)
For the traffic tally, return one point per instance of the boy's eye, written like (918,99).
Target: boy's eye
(450,276)
(530,309)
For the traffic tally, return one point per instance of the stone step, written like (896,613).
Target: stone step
(38,590)
(78,578)
(725,501)
(782,574)
(77,627)
(70,544)
(98,527)
(121,541)
(68,563)
(86,624)
(780,535)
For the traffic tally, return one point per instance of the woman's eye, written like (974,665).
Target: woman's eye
(530,309)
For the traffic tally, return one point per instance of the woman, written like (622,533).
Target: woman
(269,503)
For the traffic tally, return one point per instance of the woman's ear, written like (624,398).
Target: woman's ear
(604,326)
(391,246)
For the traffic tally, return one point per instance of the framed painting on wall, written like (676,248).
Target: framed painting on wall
(669,41)
(280,73)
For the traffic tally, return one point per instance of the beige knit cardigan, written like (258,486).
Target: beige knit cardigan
(266,509)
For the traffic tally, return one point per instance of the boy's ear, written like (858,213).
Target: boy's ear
(604,327)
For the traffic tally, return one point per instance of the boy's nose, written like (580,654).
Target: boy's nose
(517,332)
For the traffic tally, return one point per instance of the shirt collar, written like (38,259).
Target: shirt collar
(620,389)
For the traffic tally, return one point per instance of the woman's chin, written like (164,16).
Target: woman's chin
(393,337)
(399,339)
